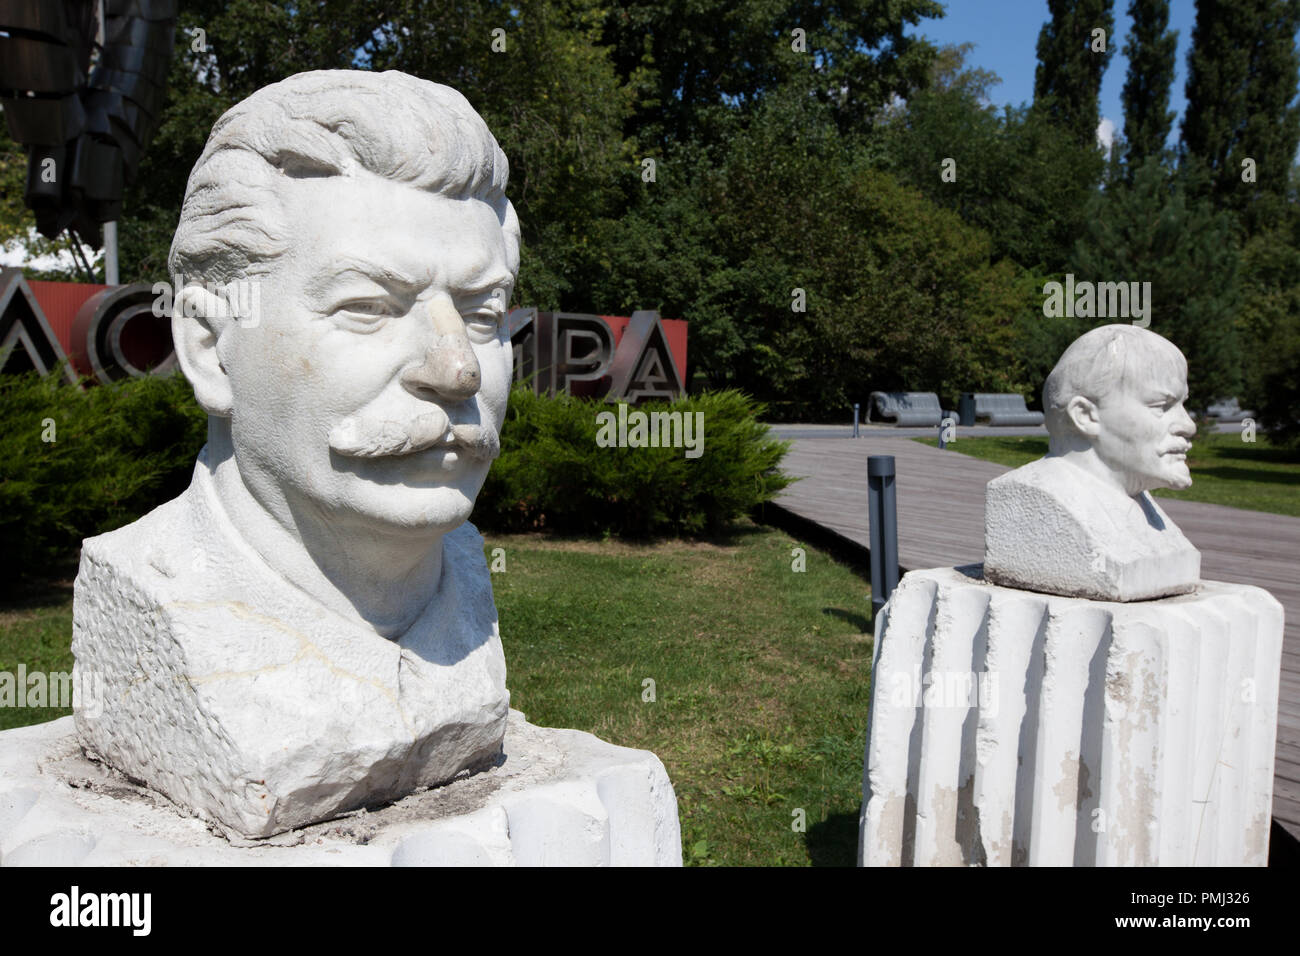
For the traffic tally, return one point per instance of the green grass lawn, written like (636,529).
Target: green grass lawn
(36,631)
(1225,469)
(761,676)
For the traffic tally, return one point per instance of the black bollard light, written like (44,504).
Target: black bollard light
(883,523)
(855,419)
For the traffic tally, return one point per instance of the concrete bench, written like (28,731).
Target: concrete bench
(1228,410)
(906,408)
(1005,409)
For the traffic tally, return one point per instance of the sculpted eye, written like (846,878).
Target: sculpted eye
(483,321)
(367,308)
(365,315)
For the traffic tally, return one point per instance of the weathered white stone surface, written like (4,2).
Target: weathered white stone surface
(1080,521)
(237,695)
(1050,526)
(1098,733)
(557,798)
(309,629)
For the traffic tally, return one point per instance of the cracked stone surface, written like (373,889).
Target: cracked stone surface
(553,798)
(238,696)
(1014,728)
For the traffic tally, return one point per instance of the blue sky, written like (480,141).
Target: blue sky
(1005,34)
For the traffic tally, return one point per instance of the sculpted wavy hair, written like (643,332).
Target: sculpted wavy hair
(329,123)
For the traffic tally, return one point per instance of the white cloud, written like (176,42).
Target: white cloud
(1106,133)
(16,253)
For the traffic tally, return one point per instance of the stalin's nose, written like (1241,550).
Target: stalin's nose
(450,368)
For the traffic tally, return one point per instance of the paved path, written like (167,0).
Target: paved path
(892,431)
(941,523)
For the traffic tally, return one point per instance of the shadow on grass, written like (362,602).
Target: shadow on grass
(834,841)
(1242,451)
(861,621)
(1011,443)
(1258,475)
(34,594)
(732,536)
(844,550)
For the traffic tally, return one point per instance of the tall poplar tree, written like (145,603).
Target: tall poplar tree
(1242,124)
(1150,49)
(1071,61)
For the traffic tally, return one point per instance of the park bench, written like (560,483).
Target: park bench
(1228,410)
(1005,409)
(906,408)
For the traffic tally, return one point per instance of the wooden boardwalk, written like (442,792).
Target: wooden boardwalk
(941,522)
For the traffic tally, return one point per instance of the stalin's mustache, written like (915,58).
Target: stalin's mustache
(362,436)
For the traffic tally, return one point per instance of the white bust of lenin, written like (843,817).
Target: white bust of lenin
(1080,520)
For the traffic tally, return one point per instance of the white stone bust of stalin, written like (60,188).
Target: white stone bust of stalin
(310,627)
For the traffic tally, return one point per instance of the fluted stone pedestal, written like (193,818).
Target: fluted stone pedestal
(558,798)
(1013,728)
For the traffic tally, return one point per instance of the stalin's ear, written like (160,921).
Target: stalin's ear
(1084,416)
(199,320)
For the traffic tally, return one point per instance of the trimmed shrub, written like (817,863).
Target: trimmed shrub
(78,463)
(553,474)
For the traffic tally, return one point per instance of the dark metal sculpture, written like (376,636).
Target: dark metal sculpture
(85,109)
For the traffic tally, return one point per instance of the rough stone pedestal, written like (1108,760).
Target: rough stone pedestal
(221,685)
(558,798)
(1012,728)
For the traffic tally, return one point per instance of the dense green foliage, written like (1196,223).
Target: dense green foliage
(81,462)
(1018,176)
(694,61)
(1270,327)
(1071,59)
(813,277)
(1150,50)
(1241,88)
(553,474)
(1154,232)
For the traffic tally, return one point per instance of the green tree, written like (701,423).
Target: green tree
(1241,121)
(1270,323)
(549,92)
(550,96)
(1014,174)
(690,60)
(1157,231)
(811,278)
(1068,78)
(244,45)
(1150,49)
